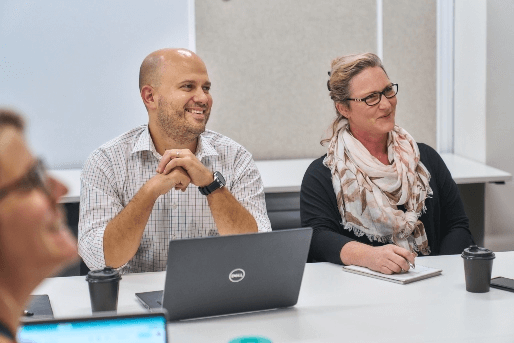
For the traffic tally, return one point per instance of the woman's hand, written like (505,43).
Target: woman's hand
(386,259)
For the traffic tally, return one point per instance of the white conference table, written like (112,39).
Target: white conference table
(336,306)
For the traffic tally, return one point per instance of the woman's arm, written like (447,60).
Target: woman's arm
(318,209)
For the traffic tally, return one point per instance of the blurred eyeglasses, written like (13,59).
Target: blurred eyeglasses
(36,177)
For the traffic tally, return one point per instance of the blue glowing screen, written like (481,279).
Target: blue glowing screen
(112,330)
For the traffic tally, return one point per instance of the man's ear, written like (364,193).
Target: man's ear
(343,110)
(148,96)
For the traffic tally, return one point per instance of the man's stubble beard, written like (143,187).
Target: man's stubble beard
(174,123)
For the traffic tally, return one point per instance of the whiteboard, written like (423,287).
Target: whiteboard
(72,67)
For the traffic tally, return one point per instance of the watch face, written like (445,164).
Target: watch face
(220,178)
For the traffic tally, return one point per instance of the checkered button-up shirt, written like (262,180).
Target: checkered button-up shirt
(114,173)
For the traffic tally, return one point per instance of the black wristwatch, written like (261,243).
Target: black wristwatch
(219,181)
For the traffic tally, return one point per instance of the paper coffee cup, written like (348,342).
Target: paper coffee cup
(103,289)
(478,266)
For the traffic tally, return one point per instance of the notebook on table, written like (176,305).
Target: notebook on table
(145,327)
(215,276)
(416,274)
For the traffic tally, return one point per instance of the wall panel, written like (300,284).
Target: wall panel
(268,62)
(410,45)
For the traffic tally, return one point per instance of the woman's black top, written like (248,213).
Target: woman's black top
(446,223)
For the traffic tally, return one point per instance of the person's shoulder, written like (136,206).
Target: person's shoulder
(128,137)
(426,149)
(317,169)
(317,165)
(114,147)
(221,142)
(430,157)
(317,178)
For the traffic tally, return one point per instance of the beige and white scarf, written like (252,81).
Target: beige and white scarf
(368,192)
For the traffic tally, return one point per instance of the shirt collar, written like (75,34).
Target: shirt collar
(205,148)
(145,143)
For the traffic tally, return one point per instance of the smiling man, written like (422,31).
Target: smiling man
(169,179)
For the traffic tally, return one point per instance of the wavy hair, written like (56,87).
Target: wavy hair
(343,70)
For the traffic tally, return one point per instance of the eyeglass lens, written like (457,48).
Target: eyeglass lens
(375,98)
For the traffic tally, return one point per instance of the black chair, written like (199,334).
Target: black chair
(83,269)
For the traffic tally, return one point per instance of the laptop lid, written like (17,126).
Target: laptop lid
(231,274)
(147,327)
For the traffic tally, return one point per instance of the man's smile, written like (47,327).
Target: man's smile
(197,113)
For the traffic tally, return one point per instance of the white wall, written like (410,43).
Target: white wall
(470,79)
(500,122)
(72,67)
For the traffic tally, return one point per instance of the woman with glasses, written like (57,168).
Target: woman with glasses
(377,198)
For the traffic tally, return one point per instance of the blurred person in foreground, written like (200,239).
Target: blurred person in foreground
(377,199)
(35,242)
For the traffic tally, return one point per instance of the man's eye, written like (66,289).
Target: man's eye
(206,88)
(187,86)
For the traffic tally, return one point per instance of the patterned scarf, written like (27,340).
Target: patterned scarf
(368,192)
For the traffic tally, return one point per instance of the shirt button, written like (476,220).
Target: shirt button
(174,206)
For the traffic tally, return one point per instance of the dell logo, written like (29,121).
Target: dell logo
(236,275)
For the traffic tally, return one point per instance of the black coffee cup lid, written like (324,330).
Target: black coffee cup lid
(100,275)
(475,252)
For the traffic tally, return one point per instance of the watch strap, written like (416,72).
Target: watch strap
(214,185)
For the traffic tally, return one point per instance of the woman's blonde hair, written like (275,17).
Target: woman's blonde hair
(343,70)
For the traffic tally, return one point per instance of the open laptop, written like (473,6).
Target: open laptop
(112,328)
(214,276)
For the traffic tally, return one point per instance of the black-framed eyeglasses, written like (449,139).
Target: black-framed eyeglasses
(36,177)
(374,98)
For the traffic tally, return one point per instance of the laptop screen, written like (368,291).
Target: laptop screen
(145,328)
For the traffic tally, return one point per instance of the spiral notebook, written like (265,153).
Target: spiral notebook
(419,273)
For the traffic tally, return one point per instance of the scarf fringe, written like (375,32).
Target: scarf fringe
(359,232)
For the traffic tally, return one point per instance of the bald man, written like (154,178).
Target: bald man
(169,179)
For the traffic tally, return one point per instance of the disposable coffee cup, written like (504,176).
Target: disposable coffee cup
(104,286)
(478,265)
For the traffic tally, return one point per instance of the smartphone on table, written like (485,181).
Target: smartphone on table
(503,283)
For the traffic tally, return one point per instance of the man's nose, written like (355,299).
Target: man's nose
(56,188)
(200,96)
